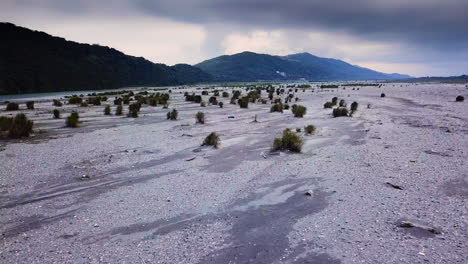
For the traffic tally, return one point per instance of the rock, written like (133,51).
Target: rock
(408,224)
(309,193)
(231,117)
(394,186)
(85,177)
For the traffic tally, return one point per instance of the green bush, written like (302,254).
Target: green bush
(119,110)
(57,103)
(243,102)
(286,107)
(298,130)
(20,127)
(133,110)
(221,104)
(211,140)
(197,99)
(342,103)
(5,123)
(289,141)
(107,110)
(334,100)
(328,105)
(213,100)
(460,98)
(310,129)
(200,118)
(340,111)
(56,113)
(354,107)
(118,101)
(277,108)
(94,100)
(72,120)
(30,105)
(75,100)
(12,106)
(172,115)
(299,110)
(225,94)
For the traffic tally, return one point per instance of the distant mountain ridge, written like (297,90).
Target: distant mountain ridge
(250,66)
(449,79)
(33,61)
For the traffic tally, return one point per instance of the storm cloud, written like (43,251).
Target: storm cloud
(430,33)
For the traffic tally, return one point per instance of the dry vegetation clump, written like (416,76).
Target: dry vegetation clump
(172,115)
(340,111)
(212,140)
(200,118)
(277,108)
(56,113)
(119,110)
(328,105)
(225,94)
(354,107)
(310,129)
(57,103)
(334,101)
(73,120)
(298,110)
(133,110)
(12,106)
(17,127)
(30,105)
(221,104)
(75,100)
(107,110)
(118,101)
(289,141)
(213,100)
(460,98)
(243,102)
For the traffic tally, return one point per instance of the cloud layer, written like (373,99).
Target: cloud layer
(419,37)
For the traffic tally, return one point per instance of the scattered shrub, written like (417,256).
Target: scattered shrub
(328,105)
(5,123)
(233,101)
(382,95)
(84,104)
(172,115)
(212,140)
(334,100)
(20,127)
(203,104)
(460,98)
(118,101)
(277,108)
(75,100)
(200,118)
(289,141)
(244,102)
(30,105)
(72,120)
(310,129)
(286,107)
(119,110)
(225,94)
(299,110)
(340,111)
(298,130)
(342,103)
(57,103)
(213,100)
(221,104)
(107,110)
(94,100)
(204,92)
(354,107)
(56,113)
(133,110)
(12,106)
(197,99)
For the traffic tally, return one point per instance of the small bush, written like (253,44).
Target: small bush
(119,110)
(299,110)
(244,102)
(200,118)
(310,129)
(289,141)
(277,108)
(225,94)
(354,107)
(212,140)
(460,98)
(118,101)
(286,107)
(298,130)
(220,104)
(342,103)
(5,123)
(334,100)
(57,103)
(203,104)
(20,127)
(340,111)
(133,110)
(30,105)
(328,105)
(72,120)
(233,101)
(12,107)
(213,100)
(172,115)
(382,95)
(107,110)
(75,100)
(56,113)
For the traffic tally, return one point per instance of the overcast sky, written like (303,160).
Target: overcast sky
(416,37)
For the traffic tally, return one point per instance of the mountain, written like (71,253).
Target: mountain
(450,79)
(33,61)
(249,66)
